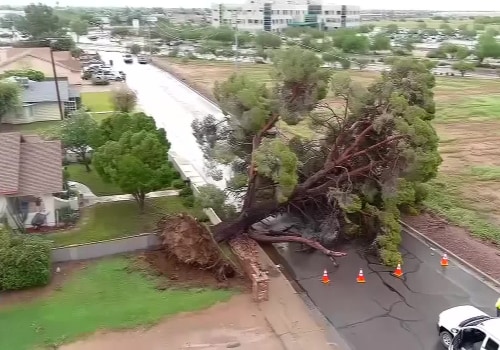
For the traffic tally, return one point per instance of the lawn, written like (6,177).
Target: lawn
(40,128)
(106,295)
(78,173)
(467,190)
(97,101)
(120,219)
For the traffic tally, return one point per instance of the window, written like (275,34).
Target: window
(491,345)
(70,106)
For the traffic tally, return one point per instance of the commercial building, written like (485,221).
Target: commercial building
(276,15)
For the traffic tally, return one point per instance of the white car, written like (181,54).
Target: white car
(468,328)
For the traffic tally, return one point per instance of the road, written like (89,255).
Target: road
(172,104)
(385,312)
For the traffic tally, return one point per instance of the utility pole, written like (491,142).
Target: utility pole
(61,112)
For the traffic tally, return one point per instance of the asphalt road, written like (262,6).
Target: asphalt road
(388,312)
(385,313)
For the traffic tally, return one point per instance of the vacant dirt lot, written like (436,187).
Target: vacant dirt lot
(237,323)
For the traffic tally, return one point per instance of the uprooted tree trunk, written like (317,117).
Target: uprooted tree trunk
(190,242)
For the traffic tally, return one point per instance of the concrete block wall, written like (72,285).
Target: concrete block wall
(144,241)
(244,248)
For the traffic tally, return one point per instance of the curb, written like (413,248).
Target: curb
(429,242)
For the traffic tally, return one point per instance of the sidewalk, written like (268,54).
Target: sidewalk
(90,198)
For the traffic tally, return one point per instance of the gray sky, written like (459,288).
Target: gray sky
(443,5)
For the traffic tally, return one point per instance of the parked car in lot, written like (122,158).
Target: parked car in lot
(466,327)
(127,58)
(100,79)
(142,59)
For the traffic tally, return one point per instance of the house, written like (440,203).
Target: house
(31,174)
(39,58)
(40,101)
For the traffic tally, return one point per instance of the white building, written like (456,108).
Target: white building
(276,15)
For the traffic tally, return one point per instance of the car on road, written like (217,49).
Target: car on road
(127,58)
(467,327)
(142,59)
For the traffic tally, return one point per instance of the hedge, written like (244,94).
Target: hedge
(24,261)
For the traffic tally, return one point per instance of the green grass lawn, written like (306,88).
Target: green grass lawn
(446,199)
(97,101)
(471,109)
(120,219)
(104,296)
(78,173)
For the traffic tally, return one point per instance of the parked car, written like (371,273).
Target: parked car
(466,327)
(142,59)
(127,58)
(100,79)
(123,75)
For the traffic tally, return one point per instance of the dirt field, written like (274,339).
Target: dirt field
(237,324)
(468,123)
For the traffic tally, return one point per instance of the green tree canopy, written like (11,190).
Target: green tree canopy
(31,74)
(366,160)
(463,67)
(79,27)
(40,22)
(137,163)
(268,40)
(9,98)
(80,134)
(380,42)
(487,46)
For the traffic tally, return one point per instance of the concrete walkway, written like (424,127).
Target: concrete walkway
(90,198)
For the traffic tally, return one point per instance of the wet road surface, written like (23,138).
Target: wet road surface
(387,313)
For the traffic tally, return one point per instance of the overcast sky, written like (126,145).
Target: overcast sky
(443,5)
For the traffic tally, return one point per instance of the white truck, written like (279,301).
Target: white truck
(468,328)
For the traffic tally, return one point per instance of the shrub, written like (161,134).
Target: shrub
(188,201)
(178,184)
(186,192)
(25,261)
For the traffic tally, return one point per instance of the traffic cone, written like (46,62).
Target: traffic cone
(444,260)
(361,277)
(325,279)
(398,272)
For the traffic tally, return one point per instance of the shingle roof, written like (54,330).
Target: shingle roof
(45,91)
(30,165)
(61,58)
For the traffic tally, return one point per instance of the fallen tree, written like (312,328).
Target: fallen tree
(373,148)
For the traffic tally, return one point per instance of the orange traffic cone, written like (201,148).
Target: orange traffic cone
(325,279)
(398,272)
(361,277)
(444,260)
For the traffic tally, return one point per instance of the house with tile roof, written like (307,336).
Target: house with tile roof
(38,58)
(31,174)
(40,102)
